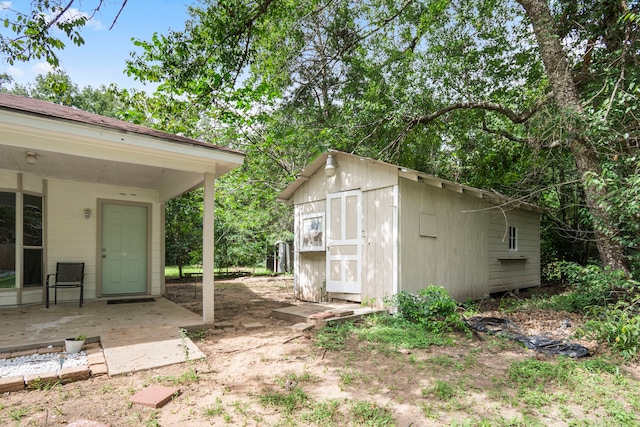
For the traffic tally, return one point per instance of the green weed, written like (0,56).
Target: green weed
(371,415)
(442,390)
(107,388)
(153,420)
(187,377)
(215,410)
(288,401)
(599,365)
(537,374)
(400,333)
(333,336)
(40,384)
(18,413)
(324,414)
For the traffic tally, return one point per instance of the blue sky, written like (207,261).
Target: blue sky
(101,60)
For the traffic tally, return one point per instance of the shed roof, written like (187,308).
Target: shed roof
(491,196)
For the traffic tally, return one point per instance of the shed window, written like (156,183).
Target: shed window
(513,238)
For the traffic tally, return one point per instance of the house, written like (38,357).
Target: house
(366,230)
(79,187)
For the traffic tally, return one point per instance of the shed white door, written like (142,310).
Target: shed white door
(124,249)
(344,242)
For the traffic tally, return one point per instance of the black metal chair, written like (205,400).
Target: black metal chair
(67,275)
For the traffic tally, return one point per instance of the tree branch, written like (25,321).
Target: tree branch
(515,117)
(505,134)
(124,3)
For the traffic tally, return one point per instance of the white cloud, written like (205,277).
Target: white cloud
(94,23)
(15,72)
(4,5)
(42,68)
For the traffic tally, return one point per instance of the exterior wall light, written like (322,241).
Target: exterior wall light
(330,168)
(87,213)
(31,158)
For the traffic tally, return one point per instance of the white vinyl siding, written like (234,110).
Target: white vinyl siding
(73,238)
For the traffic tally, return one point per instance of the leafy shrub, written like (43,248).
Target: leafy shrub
(618,325)
(592,286)
(432,308)
(611,302)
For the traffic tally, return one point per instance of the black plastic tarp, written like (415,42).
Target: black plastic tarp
(541,343)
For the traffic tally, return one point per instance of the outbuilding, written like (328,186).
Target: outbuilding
(366,230)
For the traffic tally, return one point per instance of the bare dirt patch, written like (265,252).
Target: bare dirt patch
(251,375)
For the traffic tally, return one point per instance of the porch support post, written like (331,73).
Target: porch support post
(208,242)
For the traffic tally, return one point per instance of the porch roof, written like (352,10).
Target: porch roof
(75,145)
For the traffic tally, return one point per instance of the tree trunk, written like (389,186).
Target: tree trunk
(575,122)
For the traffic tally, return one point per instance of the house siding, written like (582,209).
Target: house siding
(457,257)
(72,238)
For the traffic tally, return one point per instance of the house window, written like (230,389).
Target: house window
(513,238)
(7,240)
(32,240)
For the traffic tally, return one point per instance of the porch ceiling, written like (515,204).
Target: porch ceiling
(73,145)
(70,167)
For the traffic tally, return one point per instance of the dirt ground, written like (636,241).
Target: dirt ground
(243,367)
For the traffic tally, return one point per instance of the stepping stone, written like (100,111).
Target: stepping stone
(322,315)
(155,396)
(252,325)
(224,325)
(302,327)
(342,313)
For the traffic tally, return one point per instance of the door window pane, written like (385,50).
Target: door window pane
(32,267)
(7,240)
(32,211)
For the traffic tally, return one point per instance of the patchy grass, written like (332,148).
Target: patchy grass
(378,372)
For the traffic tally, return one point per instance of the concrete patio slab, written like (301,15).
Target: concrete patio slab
(134,336)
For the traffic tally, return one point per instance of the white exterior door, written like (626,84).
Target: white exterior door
(344,242)
(124,249)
